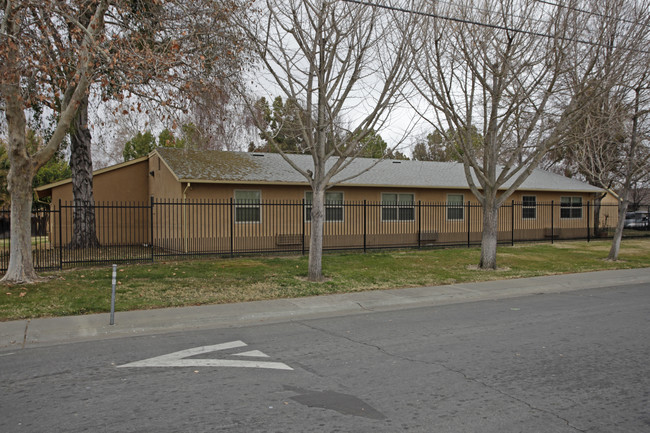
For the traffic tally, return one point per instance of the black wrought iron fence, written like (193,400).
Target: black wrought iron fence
(122,231)
(146,232)
(44,256)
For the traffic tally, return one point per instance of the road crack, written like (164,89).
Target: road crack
(364,308)
(446,367)
(25,335)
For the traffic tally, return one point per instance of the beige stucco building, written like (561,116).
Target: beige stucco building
(207,200)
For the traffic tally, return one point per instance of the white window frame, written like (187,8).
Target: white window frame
(456,207)
(571,207)
(529,207)
(333,204)
(249,204)
(397,206)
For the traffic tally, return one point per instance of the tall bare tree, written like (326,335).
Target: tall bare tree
(198,54)
(343,63)
(25,68)
(609,143)
(84,234)
(501,66)
(612,147)
(52,50)
(636,153)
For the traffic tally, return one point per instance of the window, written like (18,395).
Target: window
(455,210)
(571,207)
(333,206)
(247,207)
(398,207)
(529,207)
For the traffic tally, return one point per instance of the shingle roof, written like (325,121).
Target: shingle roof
(229,167)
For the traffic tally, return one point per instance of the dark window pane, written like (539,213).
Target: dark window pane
(571,207)
(333,214)
(455,213)
(529,213)
(529,207)
(247,214)
(389,213)
(406,214)
(529,200)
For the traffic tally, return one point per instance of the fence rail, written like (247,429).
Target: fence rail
(160,229)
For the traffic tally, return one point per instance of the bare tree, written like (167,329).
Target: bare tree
(343,63)
(614,150)
(52,50)
(484,65)
(636,154)
(84,234)
(195,44)
(608,144)
(206,53)
(24,66)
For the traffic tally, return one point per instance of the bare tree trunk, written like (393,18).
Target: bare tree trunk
(316,239)
(630,172)
(490,233)
(19,183)
(618,233)
(22,37)
(21,266)
(84,234)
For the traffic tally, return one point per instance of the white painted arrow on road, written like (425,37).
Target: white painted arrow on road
(179,359)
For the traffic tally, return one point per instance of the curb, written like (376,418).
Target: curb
(26,333)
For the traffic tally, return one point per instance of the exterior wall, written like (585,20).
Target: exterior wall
(163,184)
(128,183)
(124,186)
(280,192)
(199,227)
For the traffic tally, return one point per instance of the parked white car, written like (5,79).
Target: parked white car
(636,220)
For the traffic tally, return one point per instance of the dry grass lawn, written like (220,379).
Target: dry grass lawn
(180,283)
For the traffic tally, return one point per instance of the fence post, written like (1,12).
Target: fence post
(304,222)
(232,228)
(552,222)
(512,219)
(588,222)
(151,229)
(469,216)
(419,224)
(365,229)
(60,237)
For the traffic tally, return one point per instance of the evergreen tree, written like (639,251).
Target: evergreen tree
(140,145)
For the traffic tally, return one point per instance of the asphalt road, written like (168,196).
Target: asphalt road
(563,362)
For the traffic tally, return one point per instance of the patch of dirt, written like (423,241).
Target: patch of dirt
(306,280)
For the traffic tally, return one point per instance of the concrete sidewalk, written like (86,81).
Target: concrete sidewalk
(25,333)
